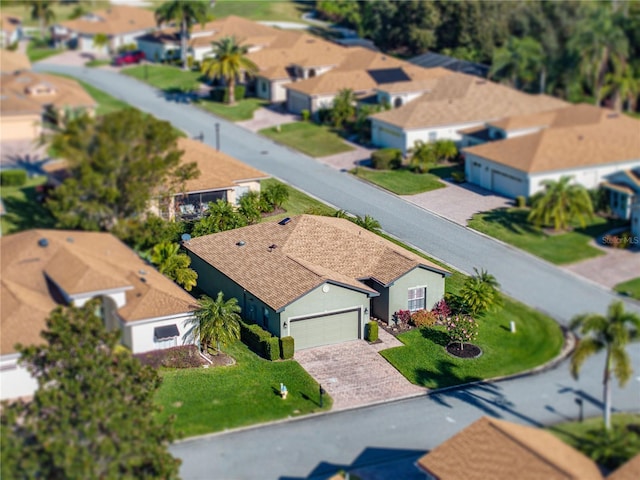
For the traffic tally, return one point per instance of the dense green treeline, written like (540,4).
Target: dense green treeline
(578,50)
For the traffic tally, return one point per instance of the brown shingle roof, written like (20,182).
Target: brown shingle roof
(500,450)
(79,262)
(628,471)
(577,136)
(310,250)
(217,169)
(115,20)
(11,62)
(29,92)
(460,98)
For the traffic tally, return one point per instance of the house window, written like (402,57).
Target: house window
(433,136)
(397,102)
(417,297)
(165,337)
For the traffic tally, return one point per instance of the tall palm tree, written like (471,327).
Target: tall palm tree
(344,107)
(175,265)
(623,84)
(186,13)
(423,156)
(480,293)
(611,334)
(216,321)
(445,150)
(42,11)
(228,61)
(521,60)
(560,204)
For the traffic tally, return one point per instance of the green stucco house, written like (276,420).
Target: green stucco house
(317,279)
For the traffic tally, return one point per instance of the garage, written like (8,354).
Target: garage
(297,102)
(506,185)
(20,127)
(314,331)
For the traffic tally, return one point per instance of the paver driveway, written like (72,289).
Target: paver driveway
(354,374)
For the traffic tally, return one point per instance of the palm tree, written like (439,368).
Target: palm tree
(43,12)
(368,223)
(216,321)
(423,155)
(221,216)
(611,334)
(173,264)
(480,293)
(186,13)
(623,84)
(227,60)
(521,60)
(445,150)
(100,40)
(275,194)
(343,107)
(561,203)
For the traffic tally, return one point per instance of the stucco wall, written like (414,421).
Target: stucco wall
(296,102)
(15,380)
(384,135)
(140,335)
(418,277)
(479,171)
(20,127)
(153,51)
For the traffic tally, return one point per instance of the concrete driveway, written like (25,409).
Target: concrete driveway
(355,374)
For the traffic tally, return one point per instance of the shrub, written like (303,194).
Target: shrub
(324,115)
(13,178)
(402,317)
(622,240)
(371,332)
(462,328)
(287,347)
(239,91)
(386,159)
(305,114)
(424,318)
(260,341)
(271,348)
(441,310)
(521,201)
(458,177)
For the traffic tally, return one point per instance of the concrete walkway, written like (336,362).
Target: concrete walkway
(346,161)
(268,117)
(614,267)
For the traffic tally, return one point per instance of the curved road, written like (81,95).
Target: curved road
(294,449)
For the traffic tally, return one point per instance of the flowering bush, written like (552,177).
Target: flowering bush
(462,328)
(442,311)
(423,318)
(402,317)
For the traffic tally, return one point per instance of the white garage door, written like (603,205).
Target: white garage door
(297,102)
(14,129)
(506,185)
(325,329)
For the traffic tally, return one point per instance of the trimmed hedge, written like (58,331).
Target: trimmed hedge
(386,159)
(13,178)
(260,341)
(372,331)
(287,347)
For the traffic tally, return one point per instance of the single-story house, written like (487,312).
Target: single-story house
(221,177)
(42,269)
(122,24)
(433,60)
(585,142)
(624,197)
(26,98)
(628,471)
(501,450)
(10,30)
(455,102)
(13,61)
(316,279)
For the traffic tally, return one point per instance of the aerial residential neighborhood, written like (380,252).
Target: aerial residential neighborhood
(320,239)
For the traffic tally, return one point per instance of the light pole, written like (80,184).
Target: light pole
(217,136)
(579,401)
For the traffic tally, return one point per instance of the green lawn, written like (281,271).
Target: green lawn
(297,204)
(242,110)
(630,288)
(40,53)
(314,140)
(214,399)
(22,208)
(424,361)
(401,181)
(164,77)
(97,63)
(511,226)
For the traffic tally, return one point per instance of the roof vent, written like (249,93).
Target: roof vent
(43,242)
(240,243)
(272,247)
(142,272)
(70,239)
(580,137)
(284,221)
(480,82)
(612,115)
(143,280)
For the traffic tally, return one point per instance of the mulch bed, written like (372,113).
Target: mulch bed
(469,351)
(186,356)
(220,360)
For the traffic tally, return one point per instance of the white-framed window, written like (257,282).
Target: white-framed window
(433,136)
(417,298)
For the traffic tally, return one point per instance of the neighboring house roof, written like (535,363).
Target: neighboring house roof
(115,20)
(78,262)
(280,263)
(501,450)
(459,98)
(431,60)
(11,62)
(217,170)
(29,92)
(628,471)
(9,23)
(419,80)
(573,137)
(624,181)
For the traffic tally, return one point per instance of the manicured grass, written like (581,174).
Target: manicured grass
(40,53)
(242,110)
(289,11)
(424,361)
(314,140)
(511,226)
(97,63)
(106,103)
(214,399)
(297,204)
(401,181)
(165,77)
(630,288)
(22,210)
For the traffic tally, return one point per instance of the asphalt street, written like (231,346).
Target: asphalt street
(400,430)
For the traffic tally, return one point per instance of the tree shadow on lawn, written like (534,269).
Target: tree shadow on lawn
(27,213)
(438,337)
(600,229)
(445,171)
(513,220)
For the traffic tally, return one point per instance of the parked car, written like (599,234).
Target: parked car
(126,58)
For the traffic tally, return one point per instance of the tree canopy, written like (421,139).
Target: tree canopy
(216,321)
(561,203)
(117,164)
(93,415)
